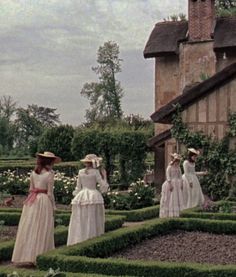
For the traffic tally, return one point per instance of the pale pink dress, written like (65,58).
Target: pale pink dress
(88,213)
(35,233)
(171,201)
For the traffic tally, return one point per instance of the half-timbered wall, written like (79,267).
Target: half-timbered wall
(210,114)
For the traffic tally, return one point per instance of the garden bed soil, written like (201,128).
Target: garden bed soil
(7,233)
(181,246)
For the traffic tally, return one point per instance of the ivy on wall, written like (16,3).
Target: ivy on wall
(216,156)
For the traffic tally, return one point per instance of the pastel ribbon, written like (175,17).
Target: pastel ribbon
(33,195)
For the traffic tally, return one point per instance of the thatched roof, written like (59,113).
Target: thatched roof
(159,139)
(165,38)
(225,33)
(164,114)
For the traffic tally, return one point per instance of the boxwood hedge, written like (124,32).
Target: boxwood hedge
(81,257)
(61,232)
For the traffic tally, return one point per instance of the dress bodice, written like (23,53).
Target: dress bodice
(86,189)
(89,179)
(189,168)
(173,172)
(42,180)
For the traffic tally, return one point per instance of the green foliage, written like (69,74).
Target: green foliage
(216,156)
(105,95)
(6,135)
(91,256)
(58,140)
(226,8)
(129,147)
(61,233)
(137,215)
(139,195)
(7,271)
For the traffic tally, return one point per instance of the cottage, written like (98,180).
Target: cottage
(195,66)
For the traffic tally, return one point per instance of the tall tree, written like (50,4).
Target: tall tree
(105,95)
(7,107)
(46,116)
(28,128)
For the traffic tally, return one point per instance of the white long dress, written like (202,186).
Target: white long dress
(88,213)
(35,233)
(171,201)
(193,197)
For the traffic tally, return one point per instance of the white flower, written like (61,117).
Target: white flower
(114,201)
(108,193)
(146,186)
(117,193)
(139,197)
(136,194)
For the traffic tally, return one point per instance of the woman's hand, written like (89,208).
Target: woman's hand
(170,186)
(191,185)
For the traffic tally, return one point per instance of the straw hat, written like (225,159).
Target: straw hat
(49,155)
(176,156)
(194,151)
(92,158)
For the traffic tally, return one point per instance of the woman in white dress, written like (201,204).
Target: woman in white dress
(35,233)
(172,195)
(192,191)
(88,213)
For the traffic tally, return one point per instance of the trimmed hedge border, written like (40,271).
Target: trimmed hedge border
(137,215)
(69,168)
(79,258)
(198,213)
(61,233)
(132,215)
(5,270)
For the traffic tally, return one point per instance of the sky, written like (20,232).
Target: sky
(49,46)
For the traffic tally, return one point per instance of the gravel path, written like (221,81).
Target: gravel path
(183,246)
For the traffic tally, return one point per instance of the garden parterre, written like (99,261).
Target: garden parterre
(92,256)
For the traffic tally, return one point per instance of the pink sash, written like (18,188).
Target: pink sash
(33,195)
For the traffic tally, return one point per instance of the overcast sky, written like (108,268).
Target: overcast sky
(49,46)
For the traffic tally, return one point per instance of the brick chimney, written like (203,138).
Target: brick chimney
(201,19)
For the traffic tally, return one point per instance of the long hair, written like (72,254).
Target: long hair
(190,155)
(43,163)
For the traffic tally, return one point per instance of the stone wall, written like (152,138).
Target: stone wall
(167,77)
(196,60)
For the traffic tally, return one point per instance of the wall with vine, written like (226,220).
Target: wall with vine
(217,156)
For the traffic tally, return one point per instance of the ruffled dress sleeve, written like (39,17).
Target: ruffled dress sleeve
(78,186)
(102,182)
(51,189)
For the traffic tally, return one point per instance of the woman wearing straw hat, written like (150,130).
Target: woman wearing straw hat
(192,191)
(88,214)
(171,195)
(35,233)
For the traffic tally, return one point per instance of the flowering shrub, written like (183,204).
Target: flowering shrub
(63,188)
(12,184)
(210,207)
(139,195)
